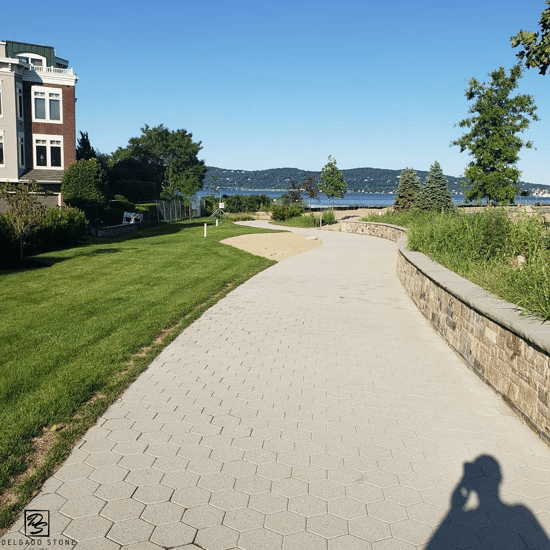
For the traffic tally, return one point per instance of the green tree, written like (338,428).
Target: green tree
(333,184)
(83,183)
(492,138)
(310,189)
(408,190)
(435,194)
(171,155)
(25,212)
(84,149)
(294,192)
(536,53)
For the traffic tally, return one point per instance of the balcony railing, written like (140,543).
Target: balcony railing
(55,70)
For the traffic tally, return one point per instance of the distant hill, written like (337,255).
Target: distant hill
(374,180)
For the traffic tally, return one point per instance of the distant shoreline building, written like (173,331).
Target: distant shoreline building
(37,115)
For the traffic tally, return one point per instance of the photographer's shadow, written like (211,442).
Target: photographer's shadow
(489,523)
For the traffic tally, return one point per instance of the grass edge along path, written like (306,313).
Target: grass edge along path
(45,444)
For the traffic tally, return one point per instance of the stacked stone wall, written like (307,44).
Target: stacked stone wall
(508,351)
(115,230)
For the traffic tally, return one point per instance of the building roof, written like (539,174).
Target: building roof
(43,176)
(13,48)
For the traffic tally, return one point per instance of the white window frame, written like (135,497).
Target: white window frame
(49,142)
(1,105)
(29,57)
(3,157)
(19,108)
(47,93)
(21,149)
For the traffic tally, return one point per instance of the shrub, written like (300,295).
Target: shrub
(64,226)
(240,203)
(61,227)
(286,211)
(8,238)
(83,183)
(328,217)
(25,213)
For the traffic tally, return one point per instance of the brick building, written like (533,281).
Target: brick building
(37,115)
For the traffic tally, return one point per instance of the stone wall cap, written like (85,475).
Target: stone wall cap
(504,313)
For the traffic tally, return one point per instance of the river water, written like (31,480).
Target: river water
(354,200)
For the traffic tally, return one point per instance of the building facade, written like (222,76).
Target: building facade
(37,114)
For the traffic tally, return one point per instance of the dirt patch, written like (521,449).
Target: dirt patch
(275,246)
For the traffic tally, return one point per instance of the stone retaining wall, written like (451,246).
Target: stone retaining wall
(509,352)
(115,230)
(384,230)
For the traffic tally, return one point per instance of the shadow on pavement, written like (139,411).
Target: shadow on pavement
(491,524)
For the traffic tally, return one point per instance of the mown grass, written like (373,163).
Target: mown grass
(75,334)
(508,257)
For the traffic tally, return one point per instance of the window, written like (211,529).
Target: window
(19,101)
(21,149)
(1,148)
(46,105)
(48,151)
(31,58)
(1,111)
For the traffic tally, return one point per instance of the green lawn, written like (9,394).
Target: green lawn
(71,334)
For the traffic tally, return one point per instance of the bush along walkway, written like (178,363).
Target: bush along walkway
(311,408)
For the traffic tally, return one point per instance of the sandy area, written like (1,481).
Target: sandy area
(279,246)
(275,246)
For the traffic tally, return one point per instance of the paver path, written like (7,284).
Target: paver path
(312,408)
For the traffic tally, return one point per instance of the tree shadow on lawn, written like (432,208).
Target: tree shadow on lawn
(16,264)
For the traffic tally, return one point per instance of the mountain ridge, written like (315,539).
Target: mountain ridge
(369,180)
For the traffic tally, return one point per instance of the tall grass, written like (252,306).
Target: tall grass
(309,220)
(508,257)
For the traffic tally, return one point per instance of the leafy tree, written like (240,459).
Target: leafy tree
(25,212)
(83,183)
(84,150)
(492,137)
(408,190)
(135,179)
(536,53)
(310,188)
(171,155)
(435,194)
(294,192)
(134,190)
(333,184)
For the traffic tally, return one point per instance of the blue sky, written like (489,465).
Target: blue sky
(286,83)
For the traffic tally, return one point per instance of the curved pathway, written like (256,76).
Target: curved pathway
(312,408)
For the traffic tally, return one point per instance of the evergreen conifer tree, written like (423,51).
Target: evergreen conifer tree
(435,194)
(407,192)
(84,149)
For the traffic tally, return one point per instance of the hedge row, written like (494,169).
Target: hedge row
(63,227)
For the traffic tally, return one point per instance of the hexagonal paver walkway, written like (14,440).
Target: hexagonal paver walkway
(312,408)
